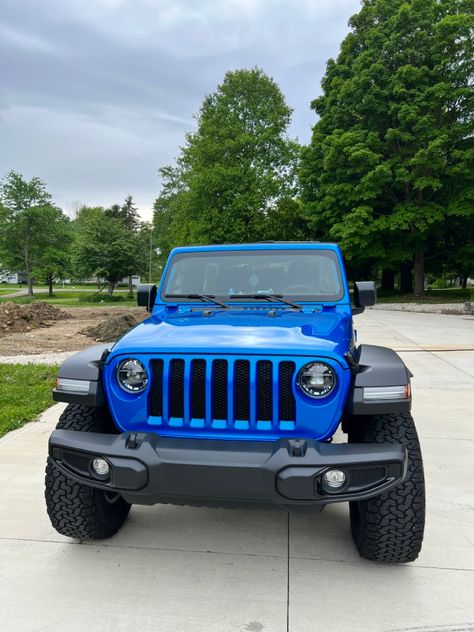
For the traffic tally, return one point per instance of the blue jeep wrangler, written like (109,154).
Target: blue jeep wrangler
(231,392)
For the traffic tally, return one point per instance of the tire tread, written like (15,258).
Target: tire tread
(389,527)
(77,510)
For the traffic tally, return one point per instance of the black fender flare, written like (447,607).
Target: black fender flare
(377,366)
(85,366)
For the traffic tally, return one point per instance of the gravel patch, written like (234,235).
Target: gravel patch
(429,308)
(37,358)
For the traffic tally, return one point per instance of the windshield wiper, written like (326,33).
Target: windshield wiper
(207,298)
(273,298)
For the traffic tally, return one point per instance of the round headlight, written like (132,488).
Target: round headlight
(317,379)
(132,376)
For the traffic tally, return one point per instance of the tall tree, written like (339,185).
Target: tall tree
(131,221)
(166,212)
(55,259)
(127,214)
(104,247)
(28,225)
(236,169)
(392,155)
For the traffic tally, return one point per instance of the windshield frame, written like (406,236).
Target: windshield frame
(332,253)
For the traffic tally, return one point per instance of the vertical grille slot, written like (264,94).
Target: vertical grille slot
(198,389)
(264,390)
(156,392)
(285,396)
(176,381)
(219,393)
(219,380)
(242,389)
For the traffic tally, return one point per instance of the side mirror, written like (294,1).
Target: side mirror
(146,296)
(365,294)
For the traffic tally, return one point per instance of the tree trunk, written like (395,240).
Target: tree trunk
(26,258)
(50,286)
(29,282)
(130,286)
(110,289)
(464,282)
(406,283)
(388,279)
(419,272)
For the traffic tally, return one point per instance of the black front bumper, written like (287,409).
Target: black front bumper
(148,469)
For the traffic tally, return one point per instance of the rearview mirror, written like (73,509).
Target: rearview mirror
(365,295)
(146,295)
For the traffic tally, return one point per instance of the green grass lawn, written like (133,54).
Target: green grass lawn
(76,299)
(25,392)
(87,286)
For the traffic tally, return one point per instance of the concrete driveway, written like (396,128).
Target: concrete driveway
(174,569)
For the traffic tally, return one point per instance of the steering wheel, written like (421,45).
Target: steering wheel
(306,289)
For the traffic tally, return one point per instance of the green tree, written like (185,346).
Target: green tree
(235,170)
(457,251)
(166,212)
(392,155)
(104,247)
(130,217)
(127,214)
(29,226)
(55,259)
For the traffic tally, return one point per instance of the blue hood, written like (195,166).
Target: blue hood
(248,331)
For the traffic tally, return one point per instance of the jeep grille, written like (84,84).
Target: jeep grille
(221,393)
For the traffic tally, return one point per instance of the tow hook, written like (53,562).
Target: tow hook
(297,447)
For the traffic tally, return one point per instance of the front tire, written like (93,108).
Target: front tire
(389,527)
(77,510)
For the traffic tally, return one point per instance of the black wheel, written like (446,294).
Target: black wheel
(389,527)
(76,510)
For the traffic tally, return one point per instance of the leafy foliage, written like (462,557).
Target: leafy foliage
(236,172)
(127,214)
(104,246)
(34,234)
(55,261)
(390,164)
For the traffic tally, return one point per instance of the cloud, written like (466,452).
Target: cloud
(96,96)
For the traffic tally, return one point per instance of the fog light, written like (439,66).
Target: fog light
(334,478)
(100,466)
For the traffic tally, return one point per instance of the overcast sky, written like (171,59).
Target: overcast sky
(96,95)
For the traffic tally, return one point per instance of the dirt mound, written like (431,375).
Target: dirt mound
(111,329)
(16,318)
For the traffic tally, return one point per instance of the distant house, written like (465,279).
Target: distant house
(12,277)
(95,280)
(136,280)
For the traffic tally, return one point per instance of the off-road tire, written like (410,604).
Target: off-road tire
(76,510)
(389,527)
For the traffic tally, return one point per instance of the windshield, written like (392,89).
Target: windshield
(312,275)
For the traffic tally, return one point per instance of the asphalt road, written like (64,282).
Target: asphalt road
(174,569)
